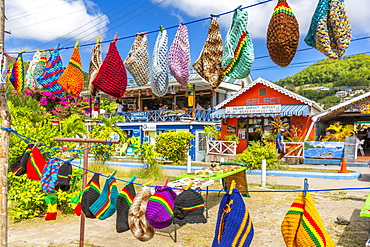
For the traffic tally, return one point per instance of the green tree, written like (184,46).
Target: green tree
(340,132)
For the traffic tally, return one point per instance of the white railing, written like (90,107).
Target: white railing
(221,147)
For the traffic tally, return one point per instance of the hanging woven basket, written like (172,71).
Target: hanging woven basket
(282,34)
(160,80)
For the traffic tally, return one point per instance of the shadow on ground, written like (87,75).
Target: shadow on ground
(357,232)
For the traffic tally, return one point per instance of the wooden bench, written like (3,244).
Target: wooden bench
(322,161)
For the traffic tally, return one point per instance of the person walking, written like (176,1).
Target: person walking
(280,143)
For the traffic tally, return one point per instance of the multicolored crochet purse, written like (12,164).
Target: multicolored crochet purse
(238,55)
(209,62)
(137,61)
(282,34)
(30,80)
(17,73)
(95,63)
(160,80)
(330,29)
(39,68)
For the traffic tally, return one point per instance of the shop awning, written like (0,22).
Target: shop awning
(286,110)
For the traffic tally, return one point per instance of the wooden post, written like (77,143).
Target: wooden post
(86,142)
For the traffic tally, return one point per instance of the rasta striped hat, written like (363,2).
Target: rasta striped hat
(64,176)
(159,211)
(124,201)
(35,163)
(189,208)
(90,195)
(302,225)
(105,205)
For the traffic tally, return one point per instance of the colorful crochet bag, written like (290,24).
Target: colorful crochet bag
(137,61)
(282,34)
(17,73)
(112,77)
(40,66)
(234,226)
(179,56)
(302,225)
(50,176)
(124,201)
(30,80)
(238,55)
(52,72)
(72,80)
(160,80)
(209,62)
(3,72)
(35,163)
(330,29)
(95,63)
(90,194)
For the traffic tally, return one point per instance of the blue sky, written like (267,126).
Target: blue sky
(43,24)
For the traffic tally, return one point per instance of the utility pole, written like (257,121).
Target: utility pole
(4,146)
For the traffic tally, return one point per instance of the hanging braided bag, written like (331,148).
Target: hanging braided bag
(17,73)
(50,175)
(137,61)
(238,55)
(208,64)
(95,63)
(112,77)
(160,80)
(282,34)
(330,29)
(30,81)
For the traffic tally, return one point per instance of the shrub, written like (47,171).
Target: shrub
(255,153)
(173,145)
(232,137)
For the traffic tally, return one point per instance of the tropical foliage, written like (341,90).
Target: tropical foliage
(338,132)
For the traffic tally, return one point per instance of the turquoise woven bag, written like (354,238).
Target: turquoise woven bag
(238,54)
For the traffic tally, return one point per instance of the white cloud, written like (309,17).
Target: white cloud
(260,15)
(47,20)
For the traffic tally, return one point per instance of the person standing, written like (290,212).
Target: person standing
(119,107)
(280,143)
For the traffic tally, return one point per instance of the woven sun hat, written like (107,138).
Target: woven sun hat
(238,54)
(208,64)
(52,71)
(138,224)
(95,63)
(72,80)
(112,77)
(189,208)
(302,225)
(137,61)
(159,211)
(30,81)
(124,201)
(234,226)
(90,194)
(50,175)
(179,56)
(3,72)
(282,34)
(330,29)
(17,73)
(105,206)
(159,78)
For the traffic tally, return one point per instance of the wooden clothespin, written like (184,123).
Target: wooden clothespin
(165,182)
(112,174)
(76,44)
(142,33)
(98,40)
(148,183)
(232,187)
(115,37)
(189,185)
(131,180)
(23,51)
(35,145)
(305,186)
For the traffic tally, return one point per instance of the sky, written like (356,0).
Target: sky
(44,24)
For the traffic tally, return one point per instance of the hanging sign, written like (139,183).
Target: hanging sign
(149,126)
(253,109)
(140,115)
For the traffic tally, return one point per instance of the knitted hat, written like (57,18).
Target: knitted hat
(90,195)
(95,63)
(3,72)
(330,30)
(124,201)
(160,80)
(49,175)
(179,56)
(189,208)
(19,167)
(208,64)
(52,72)
(234,226)
(64,176)
(138,224)
(302,225)
(137,61)
(76,204)
(35,164)
(72,80)
(105,205)
(39,68)
(238,55)
(30,80)
(51,202)
(282,34)
(17,74)
(112,77)
(159,211)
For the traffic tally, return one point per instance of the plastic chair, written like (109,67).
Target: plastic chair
(360,147)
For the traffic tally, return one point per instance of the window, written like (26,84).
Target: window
(262,91)
(202,142)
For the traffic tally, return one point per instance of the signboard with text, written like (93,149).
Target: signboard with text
(140,115)
(253,109)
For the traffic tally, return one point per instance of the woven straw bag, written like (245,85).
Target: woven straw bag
(330,29)
(208,64)
(179,56)
(238,55)
(137,61)
(160,80)
(282,34)
(112,77)
(95,63)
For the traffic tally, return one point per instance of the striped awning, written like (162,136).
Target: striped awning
(286,110)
